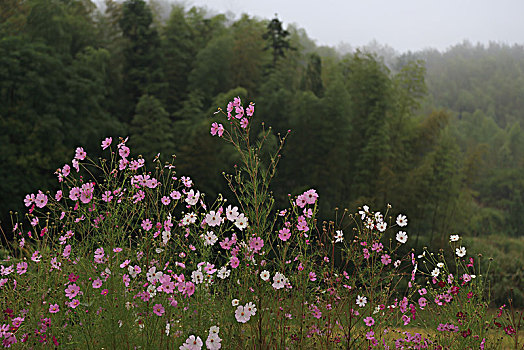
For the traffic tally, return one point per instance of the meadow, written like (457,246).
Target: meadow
(129,255)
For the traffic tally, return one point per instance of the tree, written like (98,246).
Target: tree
(278,41)
(142,67)
(151,129)
(312,78)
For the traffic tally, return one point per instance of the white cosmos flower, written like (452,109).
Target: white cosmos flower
(152,275)
(192,197)
(381,226)
(192,343)
(213,218)
(339,237)
(210,238)
(213,341)
(166,235)
(231,213)
(402,237)
(197,277)
(265,275)
(279,281)
(251,308)
(363,212)
(151,289)
(440,265)
(402,220)
(214,330)
(235,302)
(435,272)
(242,315)
(454,238)
(241,222)
(460,252)
(361,301)
(223,272)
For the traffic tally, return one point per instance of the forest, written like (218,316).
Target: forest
(435,134)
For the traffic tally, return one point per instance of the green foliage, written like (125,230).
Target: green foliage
(277,38)
(142,71)
(438,134)
(150,129)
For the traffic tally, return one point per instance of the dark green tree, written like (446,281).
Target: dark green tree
(142,71)
(278,40)
(312,78)
(151,129)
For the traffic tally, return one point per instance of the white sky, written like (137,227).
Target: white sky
(402,24)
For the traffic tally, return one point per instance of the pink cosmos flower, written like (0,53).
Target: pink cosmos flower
(72,290)
(80,154)
(34,221)
(422,302)
(244,123)
(377,247)
(122,163)
(74,193)
(301,201)
(284,234)
(237,101)
(86,196)
(256,243)
(175,195)
(187,181)
(74,303)
(386,259)
(234,262)
(41,200)
(189,289)
(369,321)
(21,268)
(67,251)
(124,151)
(126,279)
(72,277)
(106,143)
(58,195)
(217,129)
(139,196)
(76,165)
(250,109)
(310,196)
(104,292)
(147,225)
(97,283)
(107,197)
(165,200)
(66,170)
(36,256)
(312,276)
(406,319)
(54,308)
(29,199)
(158,309)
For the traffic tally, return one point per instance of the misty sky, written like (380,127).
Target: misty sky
(402,24)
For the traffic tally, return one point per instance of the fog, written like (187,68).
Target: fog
(406,25)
